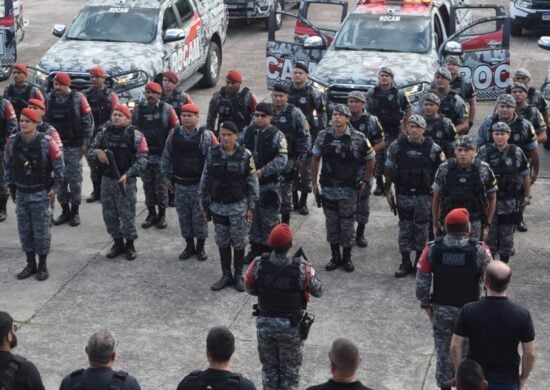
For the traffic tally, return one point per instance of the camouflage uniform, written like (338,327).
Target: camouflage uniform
(236,108)
(8,126)
(443,132)
(523,134)
(533,115)
(444,315)
(279,344)
(176,100)
(464,87)
(19,97)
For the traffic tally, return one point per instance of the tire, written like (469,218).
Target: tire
(278,17)
(211,68)
(515,29)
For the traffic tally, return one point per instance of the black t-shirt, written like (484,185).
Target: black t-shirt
(99,378)
(495,327)
(333,385)
(27,376)
(215,378)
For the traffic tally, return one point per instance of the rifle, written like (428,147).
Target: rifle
(318,200)
(114,172)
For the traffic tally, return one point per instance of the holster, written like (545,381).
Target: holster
(221,219)
(305,324)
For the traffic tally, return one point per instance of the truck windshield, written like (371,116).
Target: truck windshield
(115,24)
(393,33)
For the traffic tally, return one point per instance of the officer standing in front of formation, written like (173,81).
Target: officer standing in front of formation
(70,114)
(463,86)
(283,286)
(293,123)
(269,149)
(231,103)
(370,126)
(438,127)
(306,98)
(20,91)
(30,158)
(119,175)
(511,169)
(392,108)
(154,119)
(456,263)
(347,166)
(8,126)
(529,111)
(411,165)
(102,101)
(228,192)
(182,164)
(465,182)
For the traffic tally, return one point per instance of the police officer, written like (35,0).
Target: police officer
(347,166)
(283,286)
(529,111)
(370,126)
(30,158)
(102,102)
(411,165)
(228,193)
(391,107)
(465,182)
(511,169)
(119,188)
(269,148)
(463,86)
(70,114)
(534,95)
(154,119)
(293,123)
(456,263)
(182,164)
(231,103)
(20,91)
(438,127)
(44,127)
(306,98)
(8,126)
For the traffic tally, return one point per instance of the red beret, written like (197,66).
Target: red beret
(22,68)
(123,109)
(31,114)
(172,76)
(97,71)
(154,87)
(280,236)
(235,75)
(190,107)
(37,102)
(457,217)
(63,78)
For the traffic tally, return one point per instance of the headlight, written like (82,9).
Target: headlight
(525,3)
(40,79)
(321,88)
(130,80)
(413,92)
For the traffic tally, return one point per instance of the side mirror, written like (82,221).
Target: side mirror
(453,48)
(544,43)
(314,42)
(173,35)
(58,30)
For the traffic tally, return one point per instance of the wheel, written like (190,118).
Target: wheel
(515,29)
(278,17)
(211,68)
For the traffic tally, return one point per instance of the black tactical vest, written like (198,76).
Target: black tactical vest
(43,127)
(100,104)
(233,108)
(447,107)
(504,167)
(458,86)
(464,189)
(415,168)
(279,293)
(151,124)
(121,141)
(263,149)
(31,171)
(77,382)
(65,119)
(187,157)
(283,121)
(19,98)
(228,176)
(176,100)
(518,136)
(304,99)
(436,130)
(7,375)
(387,108)
(339,163)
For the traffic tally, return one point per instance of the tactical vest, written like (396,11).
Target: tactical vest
(233,108)
(339,163)
(19,99)
(228,176)
(517,135)
(100,104)
(77,382)
(279,293)
(458,86)
(66,120)
(31,171)
(362,124)
(194,382)
(387,108)
(122,143)
(528,112)
(456,274)
(436,130)
(283,121)
(176,100)
(504,167)
(187,157)
(263,149)
(464,189)
(7,375)
(448,107)
(43,127)
(415,168)
(151,125)
(304,99)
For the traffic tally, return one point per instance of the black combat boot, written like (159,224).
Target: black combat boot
(360,239)
(75,217)
(285,218)
(336,258)
(151,218)
(30,269)
(42,269)
(295,201)
(130,250)
(117,249)
(201,254)
(189,249)
(346,259)
(238,261)
(227,278)
(303,204)
(406,267)
(3,204)
(255,251)
(95,195)
(521,226)
(171,199)
(161,220)
(416,260)
(379,190)
(65,215)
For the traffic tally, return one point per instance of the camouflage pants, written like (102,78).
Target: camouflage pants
(3,188)
(230,230)
(381,156)
(302,182)
(192,223)
(71,188)
(119,211)
(363,210)
(286,197)
(414,220)
(501,237)
(266,216)
(339,220)
(280,352)
(33,224)
(156,193)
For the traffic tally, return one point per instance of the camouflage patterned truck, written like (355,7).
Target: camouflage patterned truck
(258,9)
(135,41)
(411,37)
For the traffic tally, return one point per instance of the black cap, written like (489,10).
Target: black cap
(281,88)
(228,125)
(301,65)
(265,108)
